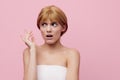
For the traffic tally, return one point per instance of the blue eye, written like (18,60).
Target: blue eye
(54,24)
(44,24)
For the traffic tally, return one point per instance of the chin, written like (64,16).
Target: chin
(50,42)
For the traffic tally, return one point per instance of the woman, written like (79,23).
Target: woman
(52,60)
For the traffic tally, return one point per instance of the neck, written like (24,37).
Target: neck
(55,46)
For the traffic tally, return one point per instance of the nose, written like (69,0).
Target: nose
(49,29)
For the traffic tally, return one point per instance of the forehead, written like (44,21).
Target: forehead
(49,21)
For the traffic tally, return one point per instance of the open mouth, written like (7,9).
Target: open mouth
(49,36)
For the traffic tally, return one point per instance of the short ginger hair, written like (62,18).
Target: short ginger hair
(52,13)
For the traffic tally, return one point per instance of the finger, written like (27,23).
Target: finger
(26,38)
(27,35)
(30,35)
(32,38)
(22,38)
(28,31)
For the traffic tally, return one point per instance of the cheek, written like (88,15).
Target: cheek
(42,31)
(58,33)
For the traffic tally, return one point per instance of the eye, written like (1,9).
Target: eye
(54,24)
(44,24)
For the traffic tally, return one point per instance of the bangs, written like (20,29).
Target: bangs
(54,14)
(49,16)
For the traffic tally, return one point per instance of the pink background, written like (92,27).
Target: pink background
(94,29)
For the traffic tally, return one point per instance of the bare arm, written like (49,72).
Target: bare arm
(29,59)
(73,65)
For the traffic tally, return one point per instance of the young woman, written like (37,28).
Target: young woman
(52,60)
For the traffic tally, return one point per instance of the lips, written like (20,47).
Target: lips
(49,36)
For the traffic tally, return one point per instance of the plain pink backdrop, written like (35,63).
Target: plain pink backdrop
(94,29)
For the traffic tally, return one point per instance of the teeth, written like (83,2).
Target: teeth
(49,35)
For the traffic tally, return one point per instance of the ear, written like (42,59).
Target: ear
(63,28)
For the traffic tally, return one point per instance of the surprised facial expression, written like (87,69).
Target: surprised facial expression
(51,31)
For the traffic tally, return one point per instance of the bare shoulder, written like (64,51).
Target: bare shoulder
(73,56)
(71,52)
(73,59)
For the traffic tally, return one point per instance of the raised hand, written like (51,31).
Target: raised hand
(28,39)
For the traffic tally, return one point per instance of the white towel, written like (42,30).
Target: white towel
(51,72)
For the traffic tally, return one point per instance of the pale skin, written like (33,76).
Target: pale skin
(52,52)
